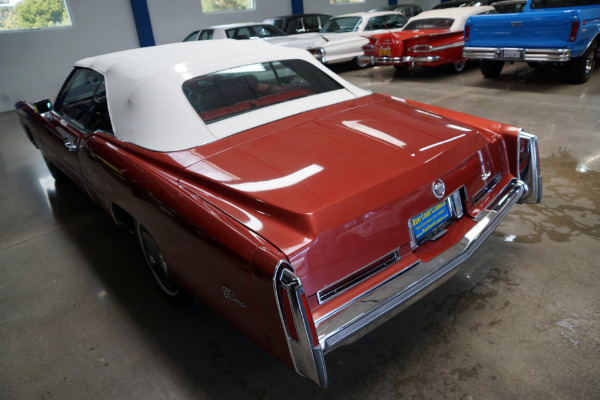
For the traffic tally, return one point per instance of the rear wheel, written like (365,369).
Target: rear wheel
(160,269)
(491,68)
(459,66)
(360,64)
(580,69)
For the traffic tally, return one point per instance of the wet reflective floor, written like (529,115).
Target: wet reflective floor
(80,316)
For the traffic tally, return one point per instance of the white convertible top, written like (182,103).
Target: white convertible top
(147,104)
(460,15)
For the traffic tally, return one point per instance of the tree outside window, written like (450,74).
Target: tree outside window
(33,14)
(209,6)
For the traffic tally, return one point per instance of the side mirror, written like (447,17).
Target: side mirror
(42,106)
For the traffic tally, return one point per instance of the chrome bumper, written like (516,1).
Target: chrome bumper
(415,281)
(517,54)
(399,60)
(361,315)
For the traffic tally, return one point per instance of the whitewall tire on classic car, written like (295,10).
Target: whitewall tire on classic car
(459,66)
(359,64)
(160,270)
(491,68)
(580,68)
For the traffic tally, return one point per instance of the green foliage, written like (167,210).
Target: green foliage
(8,19)
(32,14)
(226,5)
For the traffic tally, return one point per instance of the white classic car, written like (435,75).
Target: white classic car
(249,30)
(342,38)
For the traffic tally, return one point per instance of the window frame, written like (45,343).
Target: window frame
(70,24)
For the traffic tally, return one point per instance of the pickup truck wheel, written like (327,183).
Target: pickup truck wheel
(160,270)
(491,68)
(580,69)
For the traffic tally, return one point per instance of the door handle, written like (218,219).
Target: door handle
(70,145)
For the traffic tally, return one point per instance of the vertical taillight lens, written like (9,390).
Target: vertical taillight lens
(467,29)
(524,157)
(529,167)
(298,319)
(287,313)
(574,30)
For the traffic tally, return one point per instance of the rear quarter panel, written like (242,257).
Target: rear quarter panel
(225,265)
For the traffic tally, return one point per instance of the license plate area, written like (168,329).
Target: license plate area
(512,54)
(431,224)
(385,51)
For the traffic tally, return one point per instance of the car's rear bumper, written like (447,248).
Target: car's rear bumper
(517,54)
(413,282)
(399,60)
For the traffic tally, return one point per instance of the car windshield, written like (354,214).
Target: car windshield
(247,32)
(562,3)
(389,21)
(429,23)
(234,91)
(341,24)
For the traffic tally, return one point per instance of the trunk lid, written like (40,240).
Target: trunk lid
(336,193)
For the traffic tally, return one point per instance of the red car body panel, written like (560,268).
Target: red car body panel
(441,45)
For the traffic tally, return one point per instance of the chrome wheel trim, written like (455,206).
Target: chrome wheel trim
(589,62)
(459,66)
(157,263)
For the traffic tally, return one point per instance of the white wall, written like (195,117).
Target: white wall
(174,20)
(34,64)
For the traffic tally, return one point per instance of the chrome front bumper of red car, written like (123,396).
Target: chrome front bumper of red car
(310,340)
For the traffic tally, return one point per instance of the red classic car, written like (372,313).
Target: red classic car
(299,207)
(429,39)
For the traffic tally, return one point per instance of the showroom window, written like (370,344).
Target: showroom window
(209,6)
(20,15)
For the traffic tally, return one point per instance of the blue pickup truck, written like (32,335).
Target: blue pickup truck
(562,32)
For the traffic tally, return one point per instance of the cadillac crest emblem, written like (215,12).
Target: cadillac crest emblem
(438,188)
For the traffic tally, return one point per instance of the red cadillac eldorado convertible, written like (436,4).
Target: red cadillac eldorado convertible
(302,209)
(430,39)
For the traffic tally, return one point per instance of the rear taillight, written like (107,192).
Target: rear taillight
(467,29)
(574,30)
(529,167)
(317,52)
(421,48)
(288,317)
(524,157)
(295,311)
(299,326)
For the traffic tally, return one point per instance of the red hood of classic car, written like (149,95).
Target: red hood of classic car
(343,183)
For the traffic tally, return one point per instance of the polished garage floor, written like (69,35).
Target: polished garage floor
(80,317)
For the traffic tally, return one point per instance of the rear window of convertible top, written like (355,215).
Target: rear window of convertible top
(234,91)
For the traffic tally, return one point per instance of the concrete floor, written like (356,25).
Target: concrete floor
(81,318)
